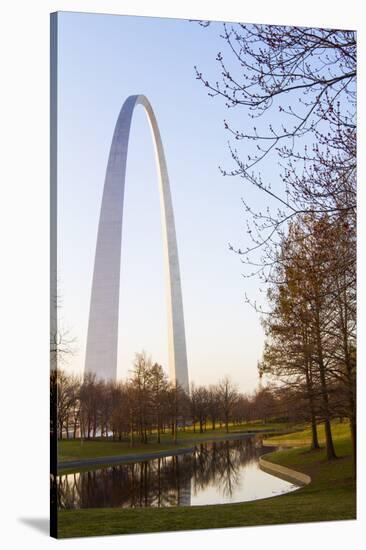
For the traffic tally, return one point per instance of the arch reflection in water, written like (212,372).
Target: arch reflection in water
(215,473)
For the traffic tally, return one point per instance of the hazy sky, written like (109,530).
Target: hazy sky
(102,60)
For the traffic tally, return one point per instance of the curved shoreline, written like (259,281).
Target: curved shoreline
(283,472)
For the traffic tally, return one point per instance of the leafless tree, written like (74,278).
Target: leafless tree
(141,381)
(159,389)
(228,395)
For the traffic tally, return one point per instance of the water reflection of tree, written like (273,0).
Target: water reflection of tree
(223,464)
(229,473)
(164,481)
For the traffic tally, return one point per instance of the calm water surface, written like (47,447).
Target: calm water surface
(214,473)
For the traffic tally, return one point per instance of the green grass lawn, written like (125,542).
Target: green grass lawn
(340,431)
(330,496)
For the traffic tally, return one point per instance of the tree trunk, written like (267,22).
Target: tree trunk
(314,433)
(131,436)
(75,426)
(158,422)
(175,431)
(309,387)
(331,454)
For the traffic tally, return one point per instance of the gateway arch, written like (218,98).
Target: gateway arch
(102,339)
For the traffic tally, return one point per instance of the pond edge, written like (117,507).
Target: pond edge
(284,472)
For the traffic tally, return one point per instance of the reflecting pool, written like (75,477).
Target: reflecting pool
(219,472)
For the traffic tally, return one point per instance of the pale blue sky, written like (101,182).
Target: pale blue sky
(102,60)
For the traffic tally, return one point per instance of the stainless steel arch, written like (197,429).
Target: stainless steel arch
(102,339)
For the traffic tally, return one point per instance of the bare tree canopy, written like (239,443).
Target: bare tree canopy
(293,89)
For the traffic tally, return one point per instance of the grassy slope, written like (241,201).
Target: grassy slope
(340,431)
(330,496)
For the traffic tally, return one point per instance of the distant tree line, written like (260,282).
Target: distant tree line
(147,405)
